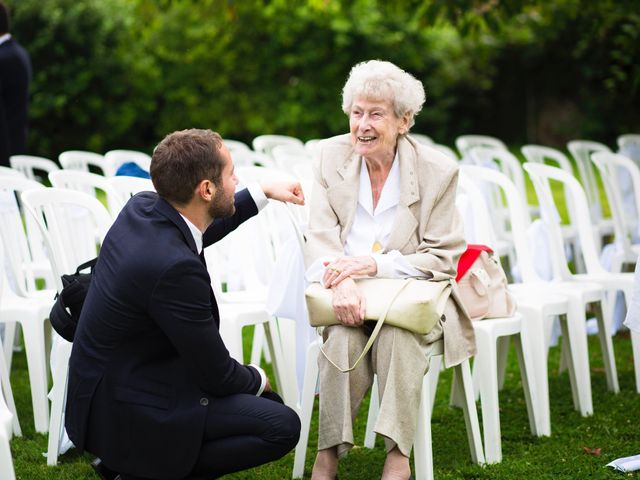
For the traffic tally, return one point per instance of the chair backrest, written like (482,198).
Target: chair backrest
(421,138)
(249,158)
(518,215)
(29,164)
(91,184)
(23,245)
(466,142)
(258,174)
(541,175)
(548,156)
(581,151)
(82,160)
(115,158)
(448,151)
(265,143)
(235,145)
(287,156)
(311,145)
(303,171)
(127,187)
(10,172)
(609,164)
(73,225)
(628,138)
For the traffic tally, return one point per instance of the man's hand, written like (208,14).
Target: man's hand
(348,303)
(344,267)
(284,191)
(267,387)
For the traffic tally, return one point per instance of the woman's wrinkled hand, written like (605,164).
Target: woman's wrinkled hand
(343,267)
(348,303)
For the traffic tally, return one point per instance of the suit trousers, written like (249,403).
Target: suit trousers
(243,431)
(400,359)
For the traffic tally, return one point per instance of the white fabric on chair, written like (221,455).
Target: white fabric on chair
(633,311)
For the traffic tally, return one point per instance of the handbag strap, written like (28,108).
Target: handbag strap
(375,332)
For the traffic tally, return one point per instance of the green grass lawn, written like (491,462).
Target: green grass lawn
(614,428)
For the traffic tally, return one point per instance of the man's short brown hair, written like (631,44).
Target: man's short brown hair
(182,160)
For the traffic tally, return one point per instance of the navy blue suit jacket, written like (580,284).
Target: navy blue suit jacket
(147,353)
(15,77)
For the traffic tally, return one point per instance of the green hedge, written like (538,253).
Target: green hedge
(123,73)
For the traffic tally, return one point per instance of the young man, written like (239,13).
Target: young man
(152,389)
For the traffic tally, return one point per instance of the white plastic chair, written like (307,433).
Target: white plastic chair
(581,151)
(608,165)
(29,164)
(83,160)
(115,158)
(464,143)
(421,138)
(71,239)
(628,138)
(538,300)
(551,156)
(91,184)
(249,158)
(289,156)
(24,304)
(311,145)
(448,151)
(265,143)
(422,450)
(235,145)
(541,175)
(127,187)
(8,419)
(8,414)
(10,172)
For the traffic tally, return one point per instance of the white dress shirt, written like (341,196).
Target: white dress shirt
(5,38)
(373,225)
(261,201)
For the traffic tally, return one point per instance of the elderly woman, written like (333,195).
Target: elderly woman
(382,205)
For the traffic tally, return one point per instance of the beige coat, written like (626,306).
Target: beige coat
(427,229)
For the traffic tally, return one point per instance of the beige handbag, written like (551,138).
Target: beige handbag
(483,289)
(415,305)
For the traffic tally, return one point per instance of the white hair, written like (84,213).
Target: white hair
(378,80)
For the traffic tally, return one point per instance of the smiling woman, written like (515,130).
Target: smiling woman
(383,205)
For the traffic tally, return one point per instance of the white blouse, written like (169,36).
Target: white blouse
(371,226)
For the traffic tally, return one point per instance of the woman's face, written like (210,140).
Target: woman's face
(375,128)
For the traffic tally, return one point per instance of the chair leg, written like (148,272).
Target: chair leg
(9,400)
(606,344)
(434,375)
(577,351)
(422,446)
(34,342)
(635,346)
(58,401)
(462,375)
(372,416)
(8,341)
(257,346)
(527,374)
(6,462)
(487,368)
(287,385)
(306,408)
(503,354)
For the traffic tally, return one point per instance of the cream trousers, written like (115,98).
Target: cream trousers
(400,359)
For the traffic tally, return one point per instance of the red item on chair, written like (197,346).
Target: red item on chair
(469,256)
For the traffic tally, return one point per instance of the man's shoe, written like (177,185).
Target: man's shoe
(103,472)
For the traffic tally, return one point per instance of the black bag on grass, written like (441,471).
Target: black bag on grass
(66,310)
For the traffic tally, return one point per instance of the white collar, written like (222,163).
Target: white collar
(197,234)
(5,38)
(390,195)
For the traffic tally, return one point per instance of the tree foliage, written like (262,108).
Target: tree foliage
(123,73)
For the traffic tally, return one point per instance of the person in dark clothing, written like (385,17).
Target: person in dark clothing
(153,391)
(15,78)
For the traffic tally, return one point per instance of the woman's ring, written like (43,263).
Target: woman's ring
(337,270)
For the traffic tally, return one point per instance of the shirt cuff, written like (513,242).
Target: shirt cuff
(386,263)
(263,379)
(256,192)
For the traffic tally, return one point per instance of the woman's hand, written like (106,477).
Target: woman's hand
(348,303)
(344,267)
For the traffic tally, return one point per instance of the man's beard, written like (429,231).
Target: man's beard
(220,206)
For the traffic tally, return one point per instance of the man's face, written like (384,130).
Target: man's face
(223,201)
